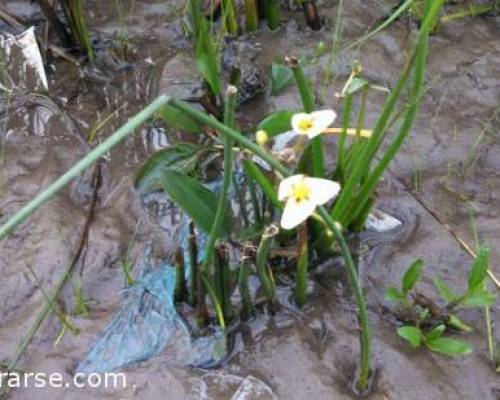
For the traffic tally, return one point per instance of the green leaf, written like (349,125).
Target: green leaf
(277,122)
(393,294)
(448,346)
(281,78)
(177,119)
(457,323)
(435,333)
(355,85)
(479,297)
(181,157)
(411,276)
(198,202)
(207,60)
(479,269)
(444,290)
(411,334)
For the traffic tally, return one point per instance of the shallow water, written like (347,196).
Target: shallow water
(454,150)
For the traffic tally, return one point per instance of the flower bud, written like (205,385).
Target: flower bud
(261,137)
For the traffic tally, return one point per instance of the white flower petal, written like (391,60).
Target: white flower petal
(296,212)
(296,120)
(322,190)
(286,186)
(321,120)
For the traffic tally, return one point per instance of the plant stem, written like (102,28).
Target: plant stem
(230,105)
(307,96)
(193,262)
(122,133)
(261,260)
(365,331)
(230,18)
(252,15)
(180,282)
(243,274)
(272,11)
(302,264)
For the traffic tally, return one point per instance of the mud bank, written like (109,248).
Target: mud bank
(447,173)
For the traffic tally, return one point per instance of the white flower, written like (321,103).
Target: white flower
(313,124)
(303,195)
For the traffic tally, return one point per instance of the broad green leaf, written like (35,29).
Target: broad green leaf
(435,333)
(449,347)
(355,85)
(281,78)
(276,123)
(411,276)
(177,119)
(444,290)
(411,334)
(457,323)
(393,294)
(479,297)
(479,268)
(181,157)
(198,202)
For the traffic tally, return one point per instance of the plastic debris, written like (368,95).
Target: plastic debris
(215,386)
(379,221)
(24,64)
(147,324)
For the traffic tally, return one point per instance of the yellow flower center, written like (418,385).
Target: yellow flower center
(306,124)
(301,192)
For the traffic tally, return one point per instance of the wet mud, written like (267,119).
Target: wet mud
(446,177)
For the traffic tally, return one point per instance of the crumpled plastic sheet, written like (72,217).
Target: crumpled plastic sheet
(217,385)
(148,323)
(23,62)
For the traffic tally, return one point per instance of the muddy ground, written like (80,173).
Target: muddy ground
(447,173)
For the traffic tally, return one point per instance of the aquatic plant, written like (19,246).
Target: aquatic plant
(425,322)
(272,177)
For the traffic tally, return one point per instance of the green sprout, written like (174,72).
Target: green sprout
(429,321)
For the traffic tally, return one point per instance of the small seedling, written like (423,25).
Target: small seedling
(429,321)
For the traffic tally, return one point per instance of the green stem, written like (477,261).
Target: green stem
(230,105)
(252,15)
(365,331)
(272,10)
(122,133)
(230,19)
(341,165)
(307,97)
(215,301)
(302,265)
(255,174)
(180,282)
(193,262)
(243,287)
(262,257)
